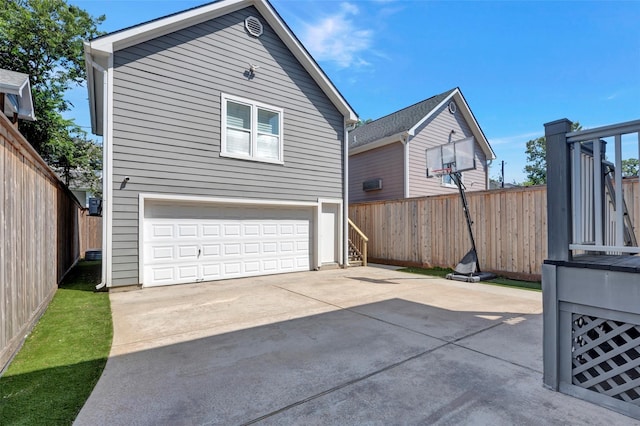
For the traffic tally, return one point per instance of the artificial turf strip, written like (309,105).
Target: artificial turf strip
(499,281)
(49,380)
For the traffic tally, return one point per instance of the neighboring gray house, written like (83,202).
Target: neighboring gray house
(387,156)
(224,148)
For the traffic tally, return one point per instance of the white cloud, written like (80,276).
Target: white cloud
(337,38)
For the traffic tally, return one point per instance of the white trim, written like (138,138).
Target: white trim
(412,131)
(139,33)
(600,247)
(107,178)
(316,206)
(406,166)
(141,206)
(224,200)
(253,131)
(146,31)
(339,226)
(468,116)
(451,185)
(379,143)
(345,195)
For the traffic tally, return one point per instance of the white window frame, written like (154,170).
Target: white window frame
(255,106)
(451,184)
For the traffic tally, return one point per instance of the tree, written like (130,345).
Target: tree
(536,168)
(630,167)
(43,38)
(363,122)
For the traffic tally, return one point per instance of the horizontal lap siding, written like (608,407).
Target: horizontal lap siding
(435,132)
(386,163)
(167,124)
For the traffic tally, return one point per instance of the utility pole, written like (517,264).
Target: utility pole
(502,178)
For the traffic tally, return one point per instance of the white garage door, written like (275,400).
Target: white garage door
(191,244)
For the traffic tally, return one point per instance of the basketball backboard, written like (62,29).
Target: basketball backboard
(458,156)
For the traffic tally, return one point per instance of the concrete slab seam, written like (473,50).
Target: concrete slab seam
(344,385)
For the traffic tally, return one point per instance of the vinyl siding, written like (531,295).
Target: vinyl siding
(436,131)
(387,163)
(167,124)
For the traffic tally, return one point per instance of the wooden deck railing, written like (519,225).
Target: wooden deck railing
(357,244)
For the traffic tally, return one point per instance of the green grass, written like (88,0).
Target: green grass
(54,373)
(499,281)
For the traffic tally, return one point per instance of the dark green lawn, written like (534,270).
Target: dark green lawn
(500,281)
(54,373)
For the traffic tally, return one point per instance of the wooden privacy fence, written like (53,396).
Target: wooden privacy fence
(510,228)
(39,236)
(90,232)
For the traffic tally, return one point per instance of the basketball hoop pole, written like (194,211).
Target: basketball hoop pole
(457,178)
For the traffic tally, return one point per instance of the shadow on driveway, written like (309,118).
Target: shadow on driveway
(388,362)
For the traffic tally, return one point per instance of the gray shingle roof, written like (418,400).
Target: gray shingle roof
(395,123)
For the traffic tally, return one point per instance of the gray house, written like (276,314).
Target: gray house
(224,148)
(387,156)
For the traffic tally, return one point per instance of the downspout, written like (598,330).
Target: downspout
(405,142)
(487,179)
(345,207)
(97,67)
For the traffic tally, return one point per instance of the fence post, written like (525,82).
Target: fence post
(559,224)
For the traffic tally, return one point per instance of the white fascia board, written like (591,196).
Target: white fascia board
(88,63)
(412,131)
(398,137)
(144,32)
(224,200)
(140,33)
(475,127)
(301,54)
(468,115)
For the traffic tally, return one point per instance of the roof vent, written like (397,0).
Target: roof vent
(452,107)
(253,26)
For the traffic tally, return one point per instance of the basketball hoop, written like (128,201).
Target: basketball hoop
(457,156)
(440,172)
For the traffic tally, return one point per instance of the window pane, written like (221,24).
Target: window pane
(238,115)
(268,122)
(238,142)
(268,147)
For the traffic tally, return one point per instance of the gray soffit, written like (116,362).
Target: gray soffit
(16,87)
(398,122)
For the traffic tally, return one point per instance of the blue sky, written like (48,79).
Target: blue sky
(518,64)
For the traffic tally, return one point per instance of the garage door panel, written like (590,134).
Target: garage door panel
(251,230)
(162,231)
(232,230)
(187,230)
(210,250)
(210,230)
(237,243)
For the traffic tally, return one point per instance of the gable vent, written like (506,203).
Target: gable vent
(253,26)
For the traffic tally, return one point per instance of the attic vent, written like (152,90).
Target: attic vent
(253,26)
(452,107)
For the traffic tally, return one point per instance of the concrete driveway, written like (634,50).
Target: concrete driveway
(356,346)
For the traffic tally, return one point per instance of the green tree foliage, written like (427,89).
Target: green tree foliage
(630,167)
(43,38)
(536,168)
(363,122)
